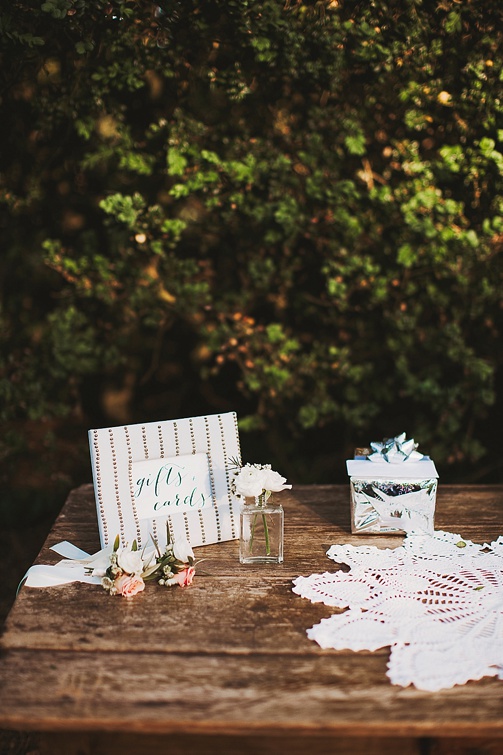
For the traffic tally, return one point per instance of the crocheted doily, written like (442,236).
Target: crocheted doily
(436,600)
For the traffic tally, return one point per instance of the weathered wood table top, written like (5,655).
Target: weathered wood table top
(225,665)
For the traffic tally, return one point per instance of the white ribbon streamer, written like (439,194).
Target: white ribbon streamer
(42,575)
(69,550)
(76,566)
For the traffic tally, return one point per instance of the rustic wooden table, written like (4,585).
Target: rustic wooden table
(225,665)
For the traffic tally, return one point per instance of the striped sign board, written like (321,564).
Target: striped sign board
(169,475)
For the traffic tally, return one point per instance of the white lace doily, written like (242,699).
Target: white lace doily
(437,600)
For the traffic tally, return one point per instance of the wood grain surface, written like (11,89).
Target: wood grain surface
(225,665)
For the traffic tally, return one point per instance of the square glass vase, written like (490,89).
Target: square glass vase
(261,532)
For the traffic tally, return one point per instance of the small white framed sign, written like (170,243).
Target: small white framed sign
(172,474)
(169,486)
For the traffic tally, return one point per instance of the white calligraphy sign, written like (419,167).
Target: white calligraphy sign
(116,453)
(166,486)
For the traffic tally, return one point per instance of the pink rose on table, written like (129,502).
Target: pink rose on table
(127,586)
(184,578)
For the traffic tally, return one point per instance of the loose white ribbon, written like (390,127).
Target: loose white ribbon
(76,566)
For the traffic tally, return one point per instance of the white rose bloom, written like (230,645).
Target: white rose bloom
(274,482)
(130,561)
(249,481)
(182,550)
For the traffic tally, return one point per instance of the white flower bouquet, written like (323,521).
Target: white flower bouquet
(129,568)
(258,481)
(261,525)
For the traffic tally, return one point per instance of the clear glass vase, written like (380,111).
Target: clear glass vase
(261,532)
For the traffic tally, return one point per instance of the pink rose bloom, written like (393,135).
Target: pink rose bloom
(127,586)
(184,577)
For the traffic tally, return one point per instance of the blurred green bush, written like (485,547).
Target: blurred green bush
(292,210)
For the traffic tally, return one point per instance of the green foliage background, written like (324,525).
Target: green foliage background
(288,209)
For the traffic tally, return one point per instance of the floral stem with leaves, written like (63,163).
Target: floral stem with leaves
(260,502)
(129,569)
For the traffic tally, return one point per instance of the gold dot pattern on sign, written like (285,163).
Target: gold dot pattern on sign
(116,484)
(154,530)
(169,527)
(192,436)
(194,450)
(146,453)
(161,442)
(161,456)
(131,485)
(177,452)
(177,440)
(212,479)
(201,524)
(187,528)
(144,439)
(226,465)
(99,486)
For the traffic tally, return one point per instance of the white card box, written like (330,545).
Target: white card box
(116,452)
